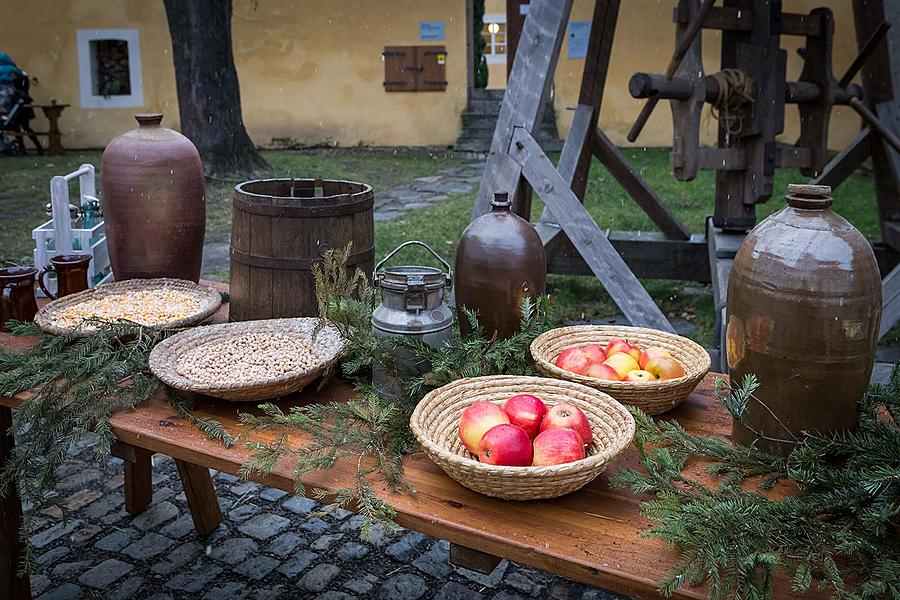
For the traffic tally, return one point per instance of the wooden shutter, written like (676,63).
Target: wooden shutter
(399,68)
(432,71)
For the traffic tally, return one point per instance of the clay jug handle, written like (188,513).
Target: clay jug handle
(44,289)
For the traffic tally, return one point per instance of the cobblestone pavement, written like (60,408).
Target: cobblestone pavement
(271,545)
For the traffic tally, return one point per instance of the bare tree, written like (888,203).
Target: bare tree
(209,97)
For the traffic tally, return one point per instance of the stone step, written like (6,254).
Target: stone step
(487,106)
(493,94)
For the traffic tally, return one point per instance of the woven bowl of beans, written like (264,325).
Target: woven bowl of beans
(249,360)
(158,303)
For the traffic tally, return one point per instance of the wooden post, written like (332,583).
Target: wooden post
(12,585)
(526,96)
(138,484)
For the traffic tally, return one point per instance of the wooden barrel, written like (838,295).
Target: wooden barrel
(280,229)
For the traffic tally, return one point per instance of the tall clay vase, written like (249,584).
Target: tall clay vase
(500,260)
(154,204)
(804,309)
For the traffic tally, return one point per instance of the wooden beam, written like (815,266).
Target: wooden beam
(605,263)
(637,188)
(845,162)
(138,479)
(649,255)
(723,247)
(474,560)
(526,94)
(12,585)
(890,300)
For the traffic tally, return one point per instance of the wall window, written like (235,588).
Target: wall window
(109,68)
(494,33)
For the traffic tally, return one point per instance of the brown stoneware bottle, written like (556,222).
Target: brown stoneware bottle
(500,260)
(154,203)
(804,309)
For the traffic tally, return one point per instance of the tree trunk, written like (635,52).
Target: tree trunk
(209,98)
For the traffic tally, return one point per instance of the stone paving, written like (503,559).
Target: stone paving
(271,545)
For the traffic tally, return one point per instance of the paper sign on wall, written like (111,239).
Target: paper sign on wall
(430,31)
(579,32)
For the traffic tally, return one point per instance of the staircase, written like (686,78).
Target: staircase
(480,119)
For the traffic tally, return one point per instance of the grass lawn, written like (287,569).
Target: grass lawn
(25,184)
(24,189)
(607,202)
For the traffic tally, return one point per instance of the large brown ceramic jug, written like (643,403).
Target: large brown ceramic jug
(500,260)
(804,308)
(153,203)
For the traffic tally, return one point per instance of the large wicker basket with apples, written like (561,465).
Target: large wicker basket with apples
(650,369)
(511,423)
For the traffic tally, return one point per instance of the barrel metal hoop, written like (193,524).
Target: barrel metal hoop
(293,264)
(254,207)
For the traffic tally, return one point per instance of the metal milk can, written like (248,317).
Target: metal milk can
(413,304)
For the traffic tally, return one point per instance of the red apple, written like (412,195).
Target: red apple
(574,360)
(639,375)
(602,372)
(556,447)
(598,354)
(651,352)
(526,411)
(506,445)
(665,367)
(622,363)
(619,345)
(475,422)
(567,416)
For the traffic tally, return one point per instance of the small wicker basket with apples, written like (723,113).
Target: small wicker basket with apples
(650,369)
(521,438)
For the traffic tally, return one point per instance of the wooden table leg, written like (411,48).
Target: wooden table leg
(201,496)
(11,584)
(474,560)
(138,476)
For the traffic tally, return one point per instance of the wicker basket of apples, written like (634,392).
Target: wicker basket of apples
(650,369)
(521,438)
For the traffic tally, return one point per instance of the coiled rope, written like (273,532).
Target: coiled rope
(735,95)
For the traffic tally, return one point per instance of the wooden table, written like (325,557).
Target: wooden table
(592,535)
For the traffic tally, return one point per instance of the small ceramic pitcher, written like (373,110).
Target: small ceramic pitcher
(71,274)
(17,300)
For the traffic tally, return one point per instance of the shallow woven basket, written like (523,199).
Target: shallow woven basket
(165,355)
(210,301)
(435,423)
(652,397)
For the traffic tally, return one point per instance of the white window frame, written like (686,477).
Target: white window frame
(492,44)
(85,72)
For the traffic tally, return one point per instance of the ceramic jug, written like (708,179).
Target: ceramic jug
(153,203)
(499,261)
(803,314)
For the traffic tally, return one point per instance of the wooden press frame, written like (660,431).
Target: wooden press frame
(576,244)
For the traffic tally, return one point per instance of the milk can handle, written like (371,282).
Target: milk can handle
(444,263)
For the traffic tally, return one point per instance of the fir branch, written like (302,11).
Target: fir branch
(840,533)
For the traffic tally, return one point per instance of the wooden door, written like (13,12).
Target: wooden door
(516,10)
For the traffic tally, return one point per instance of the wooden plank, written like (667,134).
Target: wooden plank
(637,188)
(12,586)
(606,264)
(845,162)
(474,560)
(649,254)
(890,299)
(526,94)
(592,535)
(201,497)
(138,481)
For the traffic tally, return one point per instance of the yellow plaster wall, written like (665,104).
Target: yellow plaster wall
(645,40)
(309,71)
